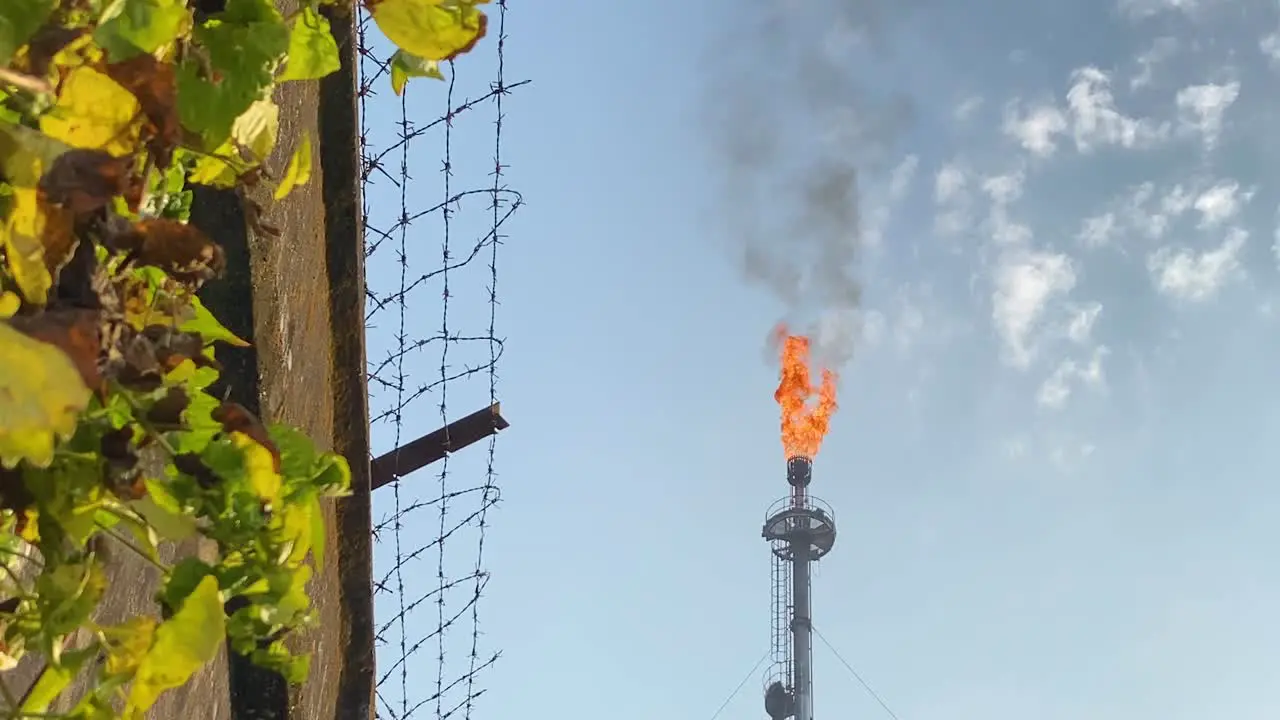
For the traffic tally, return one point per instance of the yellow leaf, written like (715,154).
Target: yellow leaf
(9,304)
(22,232)
(183,644)
(259,465)
(297,520)
(26,153)
(405,66)
(129,643)
(430,29)
(257,128)
(31,526)
(299,170)
(41,395)
(95,112)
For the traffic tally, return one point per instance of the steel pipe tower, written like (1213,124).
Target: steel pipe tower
(800,530)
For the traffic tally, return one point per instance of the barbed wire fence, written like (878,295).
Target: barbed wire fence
(435,204)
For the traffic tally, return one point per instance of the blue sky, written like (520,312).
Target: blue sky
(1052,463)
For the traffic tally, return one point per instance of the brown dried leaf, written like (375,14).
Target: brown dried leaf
(136,365)
(59,238)
(236,418)
(76,332)
(48,42)
(14,494)
(172,346)
(166,413)
(154,84)
(82,282)
(191,464)
(182,251)
(84,181)
(122,475)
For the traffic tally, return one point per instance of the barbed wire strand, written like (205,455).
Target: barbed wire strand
(489,496)
(402,279)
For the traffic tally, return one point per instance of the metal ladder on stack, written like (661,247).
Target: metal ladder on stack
(780,641)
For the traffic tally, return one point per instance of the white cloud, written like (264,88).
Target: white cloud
(880,206)
(1098,230)
(1141,210)
(1091,118)
(1186,275)
(950,192)
(1275,239)
(1141,9)
(1025,282)
(1095,119)
(1057,388)
(1221,203)
(1201,109)
(1161,50)
(909,325)
(1004,190)
(966,108)
(902,176)
(949,183)
(1036,128)
(1083,318)
(873,327)
(1270,46)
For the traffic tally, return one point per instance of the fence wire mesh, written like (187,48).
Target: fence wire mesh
(436,201)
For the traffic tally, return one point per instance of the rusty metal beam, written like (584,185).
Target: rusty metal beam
(434,446)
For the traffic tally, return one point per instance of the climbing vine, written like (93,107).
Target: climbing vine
(111,439)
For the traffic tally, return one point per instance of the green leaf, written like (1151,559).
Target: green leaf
(297,451)
(67,596)
(53,680)
(430,29)
(183,644)
(162,511)
(299,170)
(313,53)
(208,326)
(19,20)
(133,27)
(245,44)
(143,533)
(318,536)
(405,65)
(276,656)
(293,601)
(333,476)
(183,579)
(8,115)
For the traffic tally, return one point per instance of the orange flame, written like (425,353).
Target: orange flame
(803,425)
